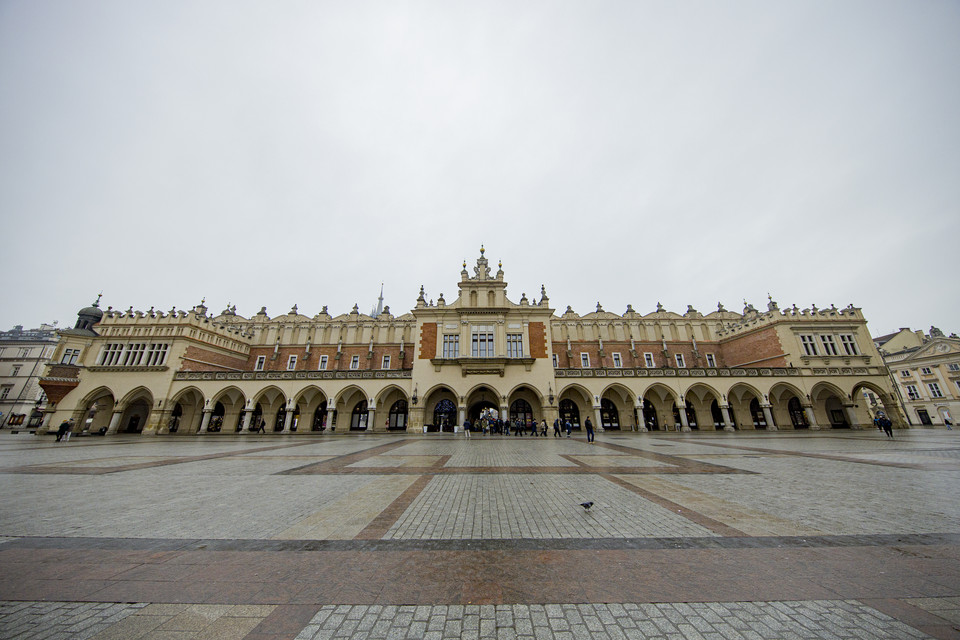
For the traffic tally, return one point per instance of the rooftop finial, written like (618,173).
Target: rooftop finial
(482,249)
(96,302)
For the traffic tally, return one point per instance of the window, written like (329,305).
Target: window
(451,346)
(648,360)
(323,363)
(70,356)
(809,346)
(953,366)
(386,362)
(849,344)
(617,362)
(110,355)
(905,373)
(514,345)
(157,355)
(585,360)
(556,361)
(355,362)
(926,371)
(934,390)
(133,354)
(482,339)
(291,363)
(24,353)
(16,370)
(680,363)
(711,361)
(829,346)
(912,392)
(261,360)
(5,391)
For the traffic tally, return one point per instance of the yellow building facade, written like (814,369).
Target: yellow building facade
(444,363)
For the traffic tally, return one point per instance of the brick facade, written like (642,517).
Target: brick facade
(761,347)
(538,340)
(428,340)
(197,359)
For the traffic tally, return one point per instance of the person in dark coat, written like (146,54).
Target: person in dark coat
(589,427)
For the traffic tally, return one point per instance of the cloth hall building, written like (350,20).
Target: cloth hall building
(194,372)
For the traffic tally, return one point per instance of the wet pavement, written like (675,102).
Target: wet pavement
(759,536)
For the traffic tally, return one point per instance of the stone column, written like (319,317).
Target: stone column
(811,418)
(247,416)
(163,426)
(727,422)
(371,419)
(851,416)
(768,415)
(287,420)
(330,411)
(684,424)
(114,425)
(504,412)
(205,421)
(597,423)
(463,414)
(639,419)
(415,420)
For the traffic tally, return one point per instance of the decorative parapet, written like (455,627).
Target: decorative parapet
(740,372)
(292,375)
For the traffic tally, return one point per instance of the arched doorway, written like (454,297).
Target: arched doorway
(216,418)
(569,412)
(173,425)
(797,415)
(256,421)
(836,414)
(650,416)
(397,418)
(691,414)
(521,413)
(756,414)
(295,420)
(358,417)
(280,419)
(609,415)
(482,407)
(444,415)
(320,417)
(717,415)
(135,416)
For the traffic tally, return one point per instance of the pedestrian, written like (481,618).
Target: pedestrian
(533,427)
(466,429)
(556,428)
(506,427)
(589,426)
(887,426)
(543,428)
(66,436)
(518,428)
(260,427)
(62,430)
(569,427)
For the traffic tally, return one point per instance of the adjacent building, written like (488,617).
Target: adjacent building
(483,352)
(23,355)
(926,371)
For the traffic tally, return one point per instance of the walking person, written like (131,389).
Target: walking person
(69,431)
(569,427)
(62,429)
(466,429)
(533,427)
(589,426)
(518,428)
(543,428)
(887,426)
(260,427)
(556,428)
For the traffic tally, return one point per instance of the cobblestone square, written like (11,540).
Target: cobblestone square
(702,536)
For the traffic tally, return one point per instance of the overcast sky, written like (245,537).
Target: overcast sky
(272,153)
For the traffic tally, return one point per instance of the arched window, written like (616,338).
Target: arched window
(609,415)
(569,411)
(797,416)
(520,412)
(358,419)
(320,417)
(759,420)
(445,415)
(650,416)
(398,415)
